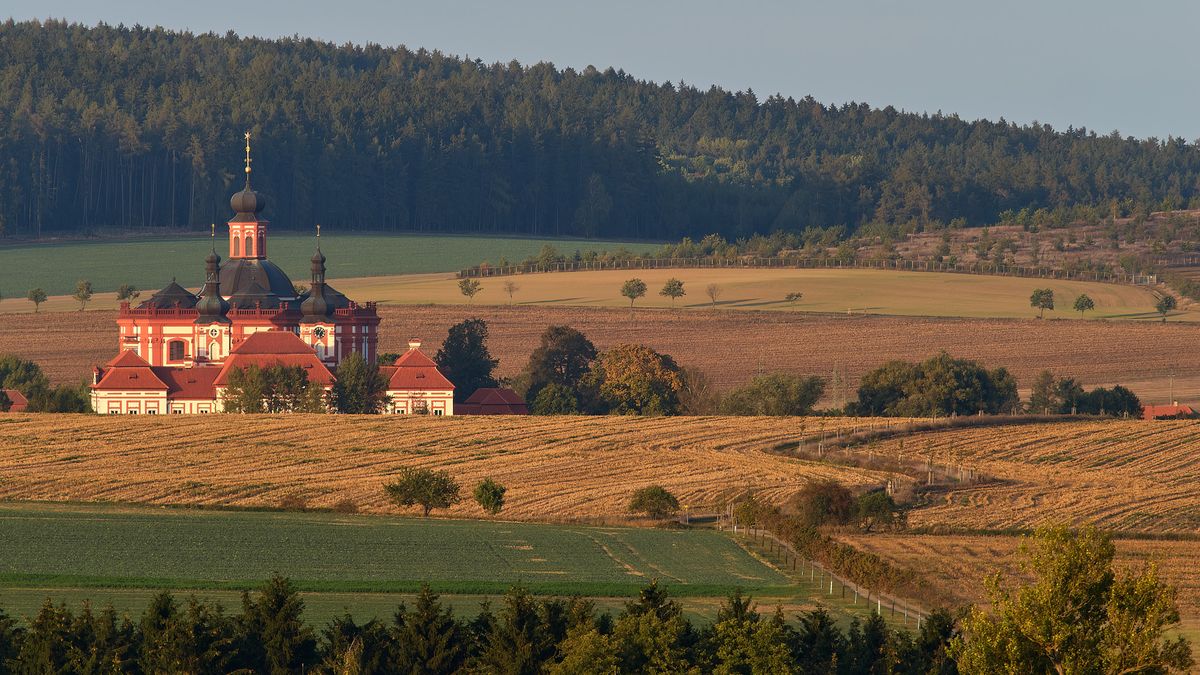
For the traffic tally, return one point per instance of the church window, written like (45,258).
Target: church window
(249,244)
(237,247)
(213,350)
(177,350)
(262,245)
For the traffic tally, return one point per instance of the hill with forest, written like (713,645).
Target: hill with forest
(113,128)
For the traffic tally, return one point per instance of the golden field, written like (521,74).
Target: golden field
(838,291)
(1139,355)
(957,563)
(556,468)
(1131,476)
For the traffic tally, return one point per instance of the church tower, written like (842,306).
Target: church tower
(213,338)
(317,327)
(247,230)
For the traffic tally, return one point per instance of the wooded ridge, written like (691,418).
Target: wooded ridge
(110,128)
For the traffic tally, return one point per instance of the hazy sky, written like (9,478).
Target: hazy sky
(1102,64)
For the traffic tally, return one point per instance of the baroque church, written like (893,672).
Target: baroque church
(177,349)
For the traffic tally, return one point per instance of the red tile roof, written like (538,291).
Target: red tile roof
(19,402)
(189,383)
(127,359)
(493,401)
(275,348)
(415,370)
(130,378)
(1151,412)
(273,342)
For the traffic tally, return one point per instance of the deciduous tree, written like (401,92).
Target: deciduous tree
(360,388)
(424,487)
(1042,300)
(673,289)
(633,289)
(83,293)
(469,287)
(37,296)
(1084,304)
(490,496)
(654,501)
(635,379)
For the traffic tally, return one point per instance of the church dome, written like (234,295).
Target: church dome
(248,201)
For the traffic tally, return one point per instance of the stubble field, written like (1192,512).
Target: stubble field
(958,563)
(562,469)
(731,347)
(1131,476)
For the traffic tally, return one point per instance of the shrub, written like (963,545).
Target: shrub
(825,502)
(490,496)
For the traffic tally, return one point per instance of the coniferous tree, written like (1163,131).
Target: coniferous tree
(428,640)
(274,637)
(465,360)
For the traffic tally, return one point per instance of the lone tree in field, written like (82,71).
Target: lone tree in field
(633,289)
(127,292)
(1084,304)
(1077,616)
(490,496)
(1165,305)
(469,287)
(37,296)
(714,292)
(673,289)
(83,292)
(511,287)
(423,487)
(654,501)
(1042,300)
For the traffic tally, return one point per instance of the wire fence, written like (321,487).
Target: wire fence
(751,262)
(833,585)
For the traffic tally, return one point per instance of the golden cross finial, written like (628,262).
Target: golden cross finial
(318,233)
(248,155)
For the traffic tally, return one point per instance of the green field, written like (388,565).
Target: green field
(81,546)
(151,263)
(366,565)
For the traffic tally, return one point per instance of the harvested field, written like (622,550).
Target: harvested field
(556,468)
(957,564)
(1141,356)
(1121,475)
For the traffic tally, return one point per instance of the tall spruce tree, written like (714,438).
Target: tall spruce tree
(465,360)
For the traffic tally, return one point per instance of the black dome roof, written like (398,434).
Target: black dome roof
(248,201)
(238,273)
(171,295)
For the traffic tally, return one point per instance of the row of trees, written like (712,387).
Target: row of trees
(943,386)
(132,127)
(1042,299)
(523,634)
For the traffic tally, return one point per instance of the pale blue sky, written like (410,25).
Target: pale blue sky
(1101,64)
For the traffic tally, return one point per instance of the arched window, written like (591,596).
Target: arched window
(262,245)
(249,246)
(237,247)
(176,350)
(214,351)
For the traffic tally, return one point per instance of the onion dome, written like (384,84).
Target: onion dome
(316,306)
(248,202)
(211,306)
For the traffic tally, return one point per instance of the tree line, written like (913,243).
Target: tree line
(116,127)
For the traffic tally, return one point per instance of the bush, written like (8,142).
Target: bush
(555,399)
(654,501)
(346,506)
(490,496)
(825,502)
(777,394)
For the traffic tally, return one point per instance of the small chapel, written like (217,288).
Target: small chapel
(177,348)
